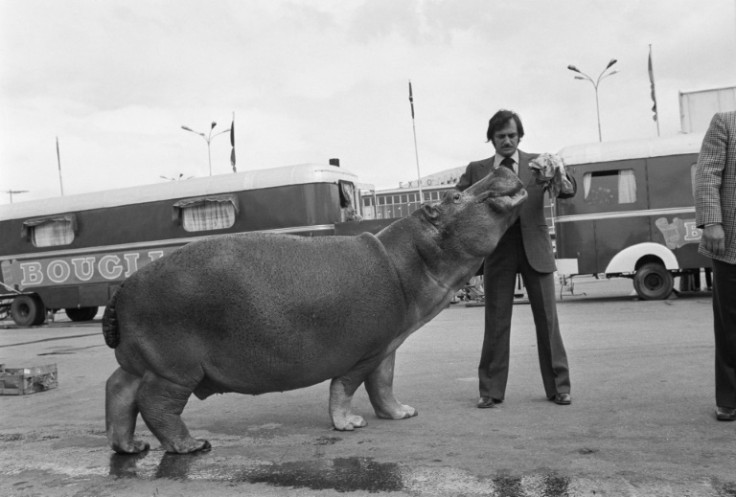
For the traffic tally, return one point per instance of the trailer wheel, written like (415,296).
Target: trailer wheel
(81,313)
(653,282)
(28,310)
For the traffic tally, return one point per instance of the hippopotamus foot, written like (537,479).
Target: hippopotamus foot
(379,385)
(121,413)
(348,422)
(161,403)
(399,411)
(341,396)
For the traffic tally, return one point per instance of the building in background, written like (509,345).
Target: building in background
(398,202)
(698,107)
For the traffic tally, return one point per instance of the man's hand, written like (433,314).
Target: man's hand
(714,239)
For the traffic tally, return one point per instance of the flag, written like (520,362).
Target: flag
(651,81)
(232,144)
(411,100)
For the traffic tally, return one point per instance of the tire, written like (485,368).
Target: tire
(28,310)
(653,282)
(81,313)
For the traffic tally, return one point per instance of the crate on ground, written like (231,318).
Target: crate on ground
(23,381)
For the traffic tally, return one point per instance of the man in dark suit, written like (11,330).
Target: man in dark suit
(526,248)
(715,213)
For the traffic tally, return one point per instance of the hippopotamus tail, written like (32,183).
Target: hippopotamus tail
(110,323)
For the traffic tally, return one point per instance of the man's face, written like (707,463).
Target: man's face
(506,139)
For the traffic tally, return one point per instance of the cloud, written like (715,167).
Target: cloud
(310,81)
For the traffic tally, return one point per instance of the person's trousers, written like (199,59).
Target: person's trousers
(724,326)
(500,270)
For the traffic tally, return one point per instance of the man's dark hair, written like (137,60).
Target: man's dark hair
(500,119)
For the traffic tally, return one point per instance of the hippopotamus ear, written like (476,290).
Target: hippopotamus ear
(430,211)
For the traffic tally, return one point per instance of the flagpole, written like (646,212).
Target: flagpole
(58,162)
(416,150)
(232,144)
(654,91)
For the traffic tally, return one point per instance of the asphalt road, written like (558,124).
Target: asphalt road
(641,422)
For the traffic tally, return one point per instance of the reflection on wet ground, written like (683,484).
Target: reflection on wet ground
(342,474)
(349,474)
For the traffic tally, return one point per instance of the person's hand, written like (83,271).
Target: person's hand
(545,166)
(714,239)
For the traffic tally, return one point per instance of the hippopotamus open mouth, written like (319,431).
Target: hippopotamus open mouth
(501,189)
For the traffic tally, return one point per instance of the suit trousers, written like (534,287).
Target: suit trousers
(724,326)
(500,275)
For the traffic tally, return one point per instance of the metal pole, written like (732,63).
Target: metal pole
(209,156)
(207,138)
(11,192)
(595,84)
(58,161)
(416,149)
(598,113)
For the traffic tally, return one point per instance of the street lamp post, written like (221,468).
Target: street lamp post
(14,192)
(207,138)
(595,83)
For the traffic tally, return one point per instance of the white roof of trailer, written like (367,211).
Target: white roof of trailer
(589,153)
(250,180)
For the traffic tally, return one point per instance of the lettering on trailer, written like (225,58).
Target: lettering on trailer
(679,232)
(71,270)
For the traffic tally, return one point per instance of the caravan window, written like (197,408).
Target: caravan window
(207,213)
(50,232)
(610,187)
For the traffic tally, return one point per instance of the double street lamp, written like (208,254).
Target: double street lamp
(207,138)
(604,74)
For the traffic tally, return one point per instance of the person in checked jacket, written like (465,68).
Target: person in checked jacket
(715,214)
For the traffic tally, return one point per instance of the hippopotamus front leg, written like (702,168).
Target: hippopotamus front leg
(380,387)
(342,390)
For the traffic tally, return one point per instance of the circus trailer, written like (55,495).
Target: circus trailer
(633,215)
(73,252)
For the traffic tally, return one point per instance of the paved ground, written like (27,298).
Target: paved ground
(641,422)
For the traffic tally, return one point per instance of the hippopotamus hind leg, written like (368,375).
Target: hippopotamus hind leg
(380,387)
(161,403)
(121,412)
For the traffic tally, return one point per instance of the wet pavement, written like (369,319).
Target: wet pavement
(641,422)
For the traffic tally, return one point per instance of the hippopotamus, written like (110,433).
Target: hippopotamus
(260,312)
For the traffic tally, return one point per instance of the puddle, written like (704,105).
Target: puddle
(343,475)
(351,474)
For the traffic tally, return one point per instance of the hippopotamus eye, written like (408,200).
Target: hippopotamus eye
(456,197)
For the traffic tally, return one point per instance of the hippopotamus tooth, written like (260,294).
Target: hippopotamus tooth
(257,312)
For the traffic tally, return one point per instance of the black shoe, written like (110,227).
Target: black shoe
(487,402)
(725,413)
(562,399)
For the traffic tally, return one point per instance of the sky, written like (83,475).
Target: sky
(307,81)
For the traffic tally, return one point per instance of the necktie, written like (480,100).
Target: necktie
(508,162)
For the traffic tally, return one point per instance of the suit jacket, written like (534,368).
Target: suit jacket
(534,229)
(715,182)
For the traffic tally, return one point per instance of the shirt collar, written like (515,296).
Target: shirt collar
(498,158)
